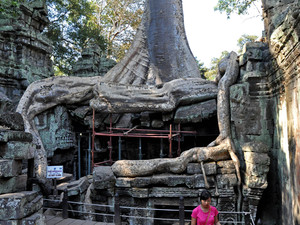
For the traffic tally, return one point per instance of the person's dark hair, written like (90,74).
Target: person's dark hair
(205,195)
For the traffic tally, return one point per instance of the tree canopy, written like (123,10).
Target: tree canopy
(244,39)
(234,6)
(212,72)
(75,24)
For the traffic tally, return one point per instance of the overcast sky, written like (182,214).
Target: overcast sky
(209,32)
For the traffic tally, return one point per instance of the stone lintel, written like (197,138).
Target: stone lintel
(6,136)
(175,192)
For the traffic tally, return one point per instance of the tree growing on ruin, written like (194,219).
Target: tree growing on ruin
(158,73)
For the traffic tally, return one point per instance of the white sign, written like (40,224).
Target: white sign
(54,171)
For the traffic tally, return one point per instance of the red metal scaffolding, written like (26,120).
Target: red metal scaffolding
(136,133)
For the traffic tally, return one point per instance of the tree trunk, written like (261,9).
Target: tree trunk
(158,73)
(160,52)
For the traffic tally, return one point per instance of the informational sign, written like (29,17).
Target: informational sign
(54,171)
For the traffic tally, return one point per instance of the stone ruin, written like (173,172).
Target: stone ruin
(25,57)
(264,124)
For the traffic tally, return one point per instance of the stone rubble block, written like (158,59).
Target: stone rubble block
(16,206)
(35,219)
(255,146)
(225,167)
(257,169)
(76,187)
(101,194)
(17,150)
(103,177)
(175,180)
(123,182)
(253,181)
(141,181)
(226,180)
(199,181)
(257,158)
(13,184)
(139,192)
(10,168)
(195,168)
(175,192)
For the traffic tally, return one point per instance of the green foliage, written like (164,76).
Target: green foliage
(244,39)
(201,68)
(233,6)
(119,20)
(75,24)
(213,70)
(72,27)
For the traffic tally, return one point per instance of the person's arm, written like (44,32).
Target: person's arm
(194,221)
(217,221)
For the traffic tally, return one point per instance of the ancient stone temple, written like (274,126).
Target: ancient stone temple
(150,129)
(24,58)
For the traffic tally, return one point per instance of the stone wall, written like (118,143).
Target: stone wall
(24,58)
(17,205)
(24,52)
(282,200)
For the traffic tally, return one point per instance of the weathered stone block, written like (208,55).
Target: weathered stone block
(123,182)
(257,158)
(257,169)
(226,180)
(75,187)
(103,177)
(255,147)
(14,184)
(173,180)
(139,192)
(16,206)
(10,168)
(35,219)
(253,181)
(157,123)
(17,150)
(172,192)
(6,136)
(224,167)
(141,181)
(196,112)
(199,181)
(195,168)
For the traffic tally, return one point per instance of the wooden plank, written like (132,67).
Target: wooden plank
(66,222)
(54,221)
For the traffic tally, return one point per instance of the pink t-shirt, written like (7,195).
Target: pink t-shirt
(202,216)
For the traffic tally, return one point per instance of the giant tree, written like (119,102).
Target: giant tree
(158,73)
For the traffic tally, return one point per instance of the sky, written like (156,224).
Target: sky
(209,32)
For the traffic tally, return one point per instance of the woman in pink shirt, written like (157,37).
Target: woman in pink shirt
(205,214)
